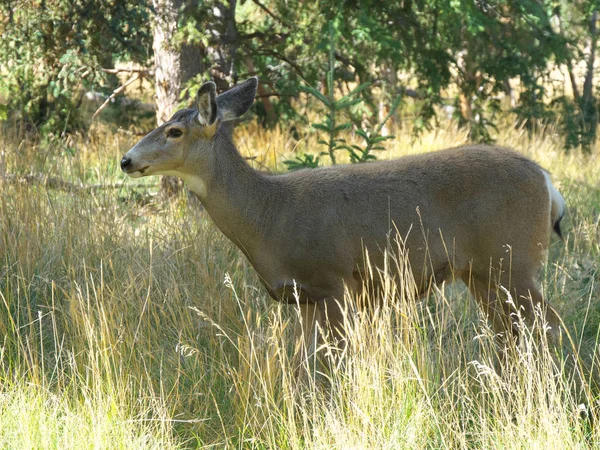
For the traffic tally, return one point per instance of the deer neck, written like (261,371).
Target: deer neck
(236,196)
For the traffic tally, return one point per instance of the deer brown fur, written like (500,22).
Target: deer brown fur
(480,214)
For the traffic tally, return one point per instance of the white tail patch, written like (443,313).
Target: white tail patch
(557,202)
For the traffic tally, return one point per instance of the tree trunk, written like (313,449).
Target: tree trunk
(589,106)
(174,66)
(587,84)
(225,74)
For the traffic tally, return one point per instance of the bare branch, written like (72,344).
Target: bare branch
(281,57)
(143,72)
(269,12)
(569,63)
(62,185)
(271,94)
(115,93)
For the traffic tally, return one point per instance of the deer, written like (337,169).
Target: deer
(309,234)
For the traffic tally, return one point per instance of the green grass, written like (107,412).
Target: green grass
(127,321)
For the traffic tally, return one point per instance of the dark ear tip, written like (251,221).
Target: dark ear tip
(209,86)
(251,82)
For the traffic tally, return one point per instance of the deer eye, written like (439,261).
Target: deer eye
(174,133)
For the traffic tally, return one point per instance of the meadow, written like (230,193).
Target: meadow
(128,321)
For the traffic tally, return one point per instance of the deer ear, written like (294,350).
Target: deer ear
(237,100)
(206,104)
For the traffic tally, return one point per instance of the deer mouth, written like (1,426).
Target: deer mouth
(136,173)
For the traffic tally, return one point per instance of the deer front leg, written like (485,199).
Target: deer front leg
(307,339)
(321,323)
(321,320)
(332,320)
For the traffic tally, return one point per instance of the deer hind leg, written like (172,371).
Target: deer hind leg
(534,308)
(493,305)
(502,314)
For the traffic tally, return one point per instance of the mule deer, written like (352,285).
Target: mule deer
(307,232)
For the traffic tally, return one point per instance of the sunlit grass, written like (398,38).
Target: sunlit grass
(120,329)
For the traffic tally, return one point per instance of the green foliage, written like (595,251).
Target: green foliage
(477,47)
(51,52)
(306,161)
(372,139)
(578,125)
(428,49)
(331,125)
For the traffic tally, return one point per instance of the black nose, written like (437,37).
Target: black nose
(125,162)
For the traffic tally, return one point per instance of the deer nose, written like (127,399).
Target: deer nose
(125,163)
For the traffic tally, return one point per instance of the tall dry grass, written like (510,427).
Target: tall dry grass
(131,322)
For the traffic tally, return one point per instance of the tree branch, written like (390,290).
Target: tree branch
(266,39)
(142,72)
(62,185)
(270,13)
(573,81)
(569,62)
(283,58)
(116,92)
(272,94)
(349,62)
